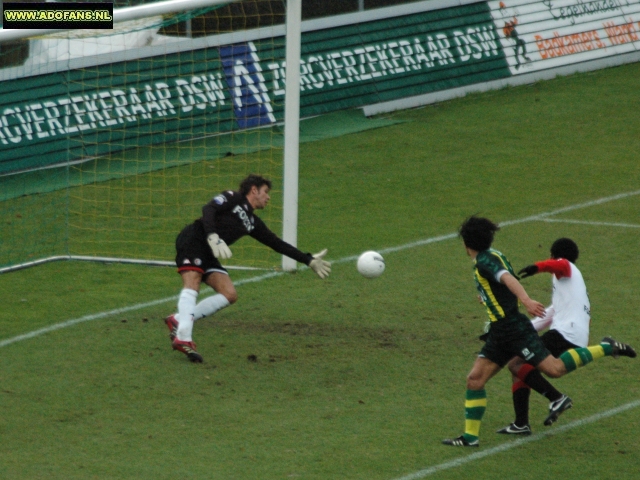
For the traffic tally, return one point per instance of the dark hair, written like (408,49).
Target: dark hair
(253,181)
(565,248)
(477,233)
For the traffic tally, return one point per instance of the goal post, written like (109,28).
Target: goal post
(110,142)
(292,130)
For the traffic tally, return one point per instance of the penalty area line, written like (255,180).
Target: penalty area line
(519,442)
(259,278)
(589,222)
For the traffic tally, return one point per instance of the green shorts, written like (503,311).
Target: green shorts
(514,337)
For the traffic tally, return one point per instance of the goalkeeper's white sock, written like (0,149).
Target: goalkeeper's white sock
(209,306)
(186,307)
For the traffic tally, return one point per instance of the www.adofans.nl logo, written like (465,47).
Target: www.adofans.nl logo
(58,15)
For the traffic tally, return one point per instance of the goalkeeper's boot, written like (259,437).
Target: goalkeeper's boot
(461,442)
(514,429)
(172,323)
(619,349)
(556,408)
(188,348)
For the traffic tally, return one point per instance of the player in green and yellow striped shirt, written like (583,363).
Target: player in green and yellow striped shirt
(511,333)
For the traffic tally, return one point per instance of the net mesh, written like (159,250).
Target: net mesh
(112,141)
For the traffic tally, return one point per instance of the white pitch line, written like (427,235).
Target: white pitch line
(117,311)
(519,442)
(587,222)
(259,278)
(591,203)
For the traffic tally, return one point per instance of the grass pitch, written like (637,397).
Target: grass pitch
(350,378)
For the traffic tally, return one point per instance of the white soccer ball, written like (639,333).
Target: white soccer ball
(370,264)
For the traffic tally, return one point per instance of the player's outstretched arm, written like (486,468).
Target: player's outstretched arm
(528,271)
(559,267)
(261,232)
(320,266)
(535,309)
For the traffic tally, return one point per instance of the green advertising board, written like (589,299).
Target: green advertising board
(97,110)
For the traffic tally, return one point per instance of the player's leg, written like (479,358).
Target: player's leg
(189,311)
(532,377)
(194,254)
(532,352)
(556,344)
(520,393)
(475,402)
(579,357)
(226,295)
(191,280)
(186,302)
(181,324)
(191,249)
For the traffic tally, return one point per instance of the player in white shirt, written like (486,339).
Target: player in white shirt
(570,311)
(567,281)
(568,319)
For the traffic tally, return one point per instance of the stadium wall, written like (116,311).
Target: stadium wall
(54,112)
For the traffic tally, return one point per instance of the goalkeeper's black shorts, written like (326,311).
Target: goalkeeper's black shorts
(193,252)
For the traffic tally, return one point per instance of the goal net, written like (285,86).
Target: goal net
(112,140)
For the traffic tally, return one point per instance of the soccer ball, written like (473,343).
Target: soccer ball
(370,264)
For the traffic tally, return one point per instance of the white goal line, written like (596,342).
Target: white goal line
(130,261)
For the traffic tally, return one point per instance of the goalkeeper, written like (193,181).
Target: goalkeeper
(201,245)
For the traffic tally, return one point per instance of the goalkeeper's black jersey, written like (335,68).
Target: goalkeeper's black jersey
(231,216)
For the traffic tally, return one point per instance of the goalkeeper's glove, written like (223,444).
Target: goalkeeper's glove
(528,271)
(320,266)
(218,246)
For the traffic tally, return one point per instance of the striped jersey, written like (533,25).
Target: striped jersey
(499,301)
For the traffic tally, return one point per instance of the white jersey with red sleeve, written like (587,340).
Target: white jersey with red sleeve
(571,307)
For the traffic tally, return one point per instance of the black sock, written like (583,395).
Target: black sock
(521,393)
(535,380)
